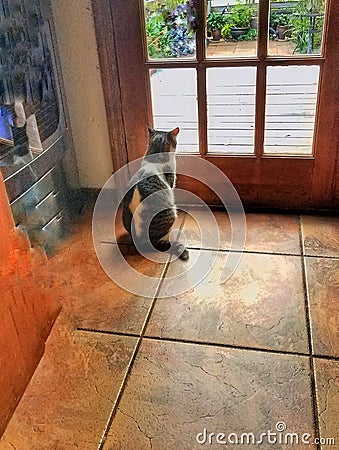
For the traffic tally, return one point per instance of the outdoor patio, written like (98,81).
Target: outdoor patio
(220,48)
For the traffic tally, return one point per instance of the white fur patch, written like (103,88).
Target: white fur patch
(136,210)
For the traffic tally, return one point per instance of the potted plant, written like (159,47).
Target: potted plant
(215,22)
(280,22)
(240,19)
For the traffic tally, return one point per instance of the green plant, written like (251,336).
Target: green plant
(251,35)
(167,31)
(157,36)
(300,23)
(241,15)
(226,31)
(279,19)
(215,21)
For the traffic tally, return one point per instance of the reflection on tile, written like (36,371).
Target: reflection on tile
(327,388)
(322,277)
(176,390)
(71,394)
(271,233)
(92,298)
(261,305)
(320,235)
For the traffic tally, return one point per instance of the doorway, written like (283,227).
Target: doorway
(263,110)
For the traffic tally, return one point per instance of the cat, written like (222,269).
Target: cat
(157,175)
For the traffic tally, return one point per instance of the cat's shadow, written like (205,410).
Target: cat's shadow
(126,245)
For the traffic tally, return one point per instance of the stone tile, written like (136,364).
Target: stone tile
(273,233)
(270,233)
(327,388)
(260,306)
(91,297)
(320,235)
(176,390)
(68,401)
(322,277)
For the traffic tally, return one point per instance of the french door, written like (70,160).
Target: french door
(262,109)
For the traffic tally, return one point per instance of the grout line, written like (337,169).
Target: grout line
(131,361)
(335,258)
(164,273)
(314,402)
(210,344)
(254,252)
(119,395)
(305,291)
(301,237)
(200,343)
(113,333)
(227,346)
(244,251)
(326,357)
(309,334)
(134,354)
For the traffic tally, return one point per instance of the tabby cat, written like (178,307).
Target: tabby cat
(156,176)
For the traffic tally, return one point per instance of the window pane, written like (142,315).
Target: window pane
(232,28)
(231,109)
(290,109)
(296,27)
(170,29)
(174,100)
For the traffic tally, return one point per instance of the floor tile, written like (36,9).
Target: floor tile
(93,299)
(68,401)
(320,235)
(271,233)
(176,390)
(261,305)
(327,387)
(322,277)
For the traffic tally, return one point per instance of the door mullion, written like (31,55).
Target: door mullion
(201,76)
(202,110)
(264,7)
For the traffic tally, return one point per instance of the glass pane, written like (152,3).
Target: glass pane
(29,101)
(170,28)
(231,109)
(296,27)
(174,101)
(232,28)
(290,109)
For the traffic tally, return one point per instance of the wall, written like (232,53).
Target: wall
(73,20)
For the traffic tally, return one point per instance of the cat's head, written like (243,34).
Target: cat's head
(162,141)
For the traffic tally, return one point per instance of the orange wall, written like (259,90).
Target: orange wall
(27,309)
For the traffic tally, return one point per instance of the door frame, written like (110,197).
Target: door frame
(298,182)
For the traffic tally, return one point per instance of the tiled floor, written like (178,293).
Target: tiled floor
(123,371)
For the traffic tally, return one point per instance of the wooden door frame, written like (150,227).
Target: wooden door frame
(125,76)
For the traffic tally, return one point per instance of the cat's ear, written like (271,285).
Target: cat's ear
(150,130)
(174,132)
